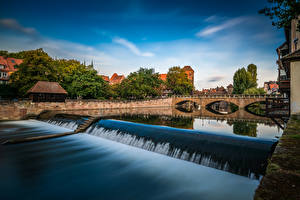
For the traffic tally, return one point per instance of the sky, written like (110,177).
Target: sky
(213,37)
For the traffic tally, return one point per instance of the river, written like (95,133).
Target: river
(90,166)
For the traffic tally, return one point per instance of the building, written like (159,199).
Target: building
(289,66)
(230,89)
(7,67)
(44,91)
(163,77)
(271,87)
(105,78)
(116,79)
(217,91)
(189,72)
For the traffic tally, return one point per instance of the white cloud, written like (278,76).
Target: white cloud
(211,18)
(208,62)
(214,29)
(14,25)
(132,47)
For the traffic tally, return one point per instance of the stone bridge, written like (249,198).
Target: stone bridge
(203,100)
(14,110)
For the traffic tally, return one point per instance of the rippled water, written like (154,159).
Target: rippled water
(83,166)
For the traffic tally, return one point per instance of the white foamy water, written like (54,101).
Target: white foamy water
(66,124)
(162,148)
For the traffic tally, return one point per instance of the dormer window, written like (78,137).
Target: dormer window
(2,66)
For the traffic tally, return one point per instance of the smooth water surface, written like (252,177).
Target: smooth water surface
(84,166)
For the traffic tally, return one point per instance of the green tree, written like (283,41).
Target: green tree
(37,66)
(178,82)
(252,69)
(254,90)
(85,83)
(244,79)
(241,81)
(281,12)
(139,85)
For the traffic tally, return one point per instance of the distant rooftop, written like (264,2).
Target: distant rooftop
(47,87)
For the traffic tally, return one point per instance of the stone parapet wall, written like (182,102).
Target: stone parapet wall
(10,110)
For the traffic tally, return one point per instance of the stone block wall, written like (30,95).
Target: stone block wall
(10,110)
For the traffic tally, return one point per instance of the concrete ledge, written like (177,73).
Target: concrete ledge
(282,179)
(36,138)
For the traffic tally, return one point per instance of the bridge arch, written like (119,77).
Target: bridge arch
(260,112)
(221,108)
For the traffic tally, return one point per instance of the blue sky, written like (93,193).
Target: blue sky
(214,37)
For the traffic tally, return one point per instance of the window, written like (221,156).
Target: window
(2,67)
(3,75)
(296,43)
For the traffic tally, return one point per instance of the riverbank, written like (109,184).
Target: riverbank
(282,179)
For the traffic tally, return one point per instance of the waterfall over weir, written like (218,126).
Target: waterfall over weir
(241,155)
(66,123)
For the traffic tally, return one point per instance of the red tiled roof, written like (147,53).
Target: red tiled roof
(116,79)
(47,87)
(163,77)
(10,63)
(187,68)
(3,61)
(106,78)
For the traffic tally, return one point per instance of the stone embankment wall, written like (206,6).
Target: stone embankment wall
(10,110)
(282,179)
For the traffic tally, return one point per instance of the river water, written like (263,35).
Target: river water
(88,166)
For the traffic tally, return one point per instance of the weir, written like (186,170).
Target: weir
(241,155)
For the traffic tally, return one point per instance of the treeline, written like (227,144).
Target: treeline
(83,81)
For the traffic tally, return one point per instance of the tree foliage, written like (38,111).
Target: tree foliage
(139,85)
(7,91)
(244,79)
(281,12)
(81,80)
(37,66)
(254,90)
(178,82)
(85,83)
(252,69)
(77,79)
